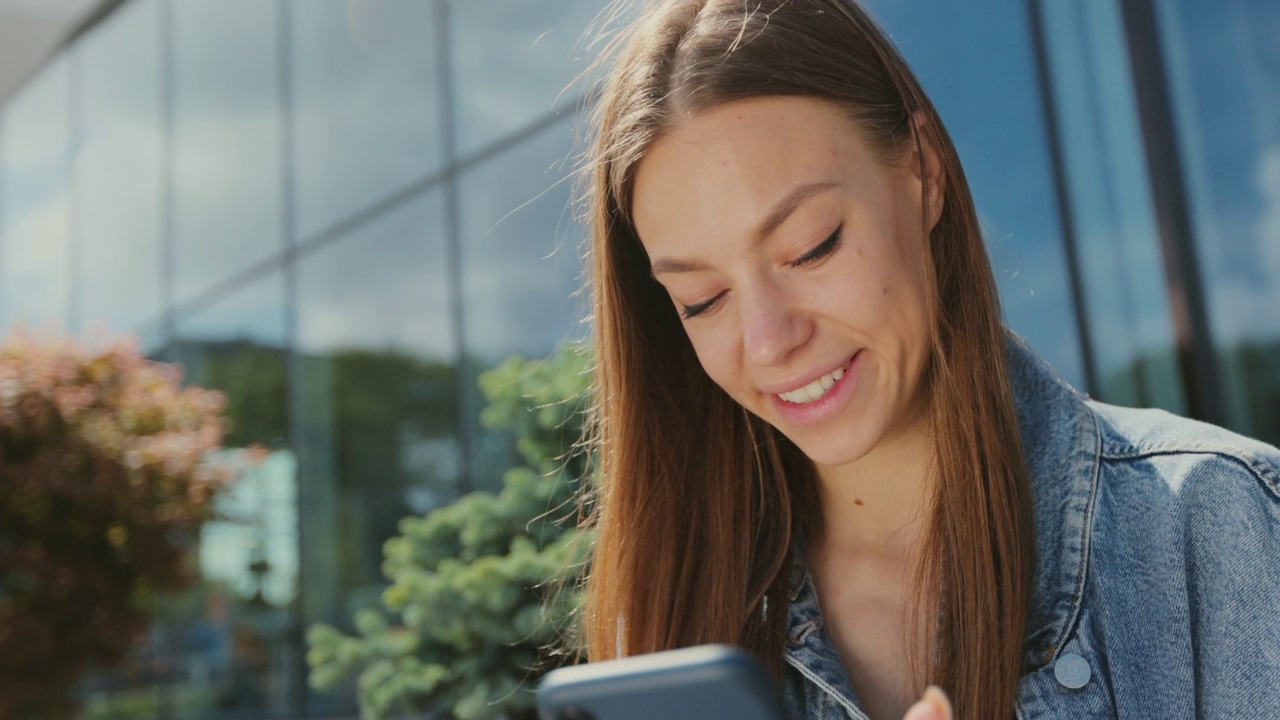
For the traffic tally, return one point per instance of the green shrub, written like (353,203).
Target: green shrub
(482,591)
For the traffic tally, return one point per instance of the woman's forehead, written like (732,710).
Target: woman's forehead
(725,170)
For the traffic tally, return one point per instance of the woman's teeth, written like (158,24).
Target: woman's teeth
(815,389)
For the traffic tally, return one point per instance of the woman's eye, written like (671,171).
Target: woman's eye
(692,311)
(823,249)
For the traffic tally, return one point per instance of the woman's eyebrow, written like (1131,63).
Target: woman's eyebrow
(788,205)
(771,222)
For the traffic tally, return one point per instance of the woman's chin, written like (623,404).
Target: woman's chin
(832,452)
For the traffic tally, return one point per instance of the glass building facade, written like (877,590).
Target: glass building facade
(341,211)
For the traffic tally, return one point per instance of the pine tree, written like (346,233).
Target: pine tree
(482,592)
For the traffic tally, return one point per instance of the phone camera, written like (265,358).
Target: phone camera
(575,713)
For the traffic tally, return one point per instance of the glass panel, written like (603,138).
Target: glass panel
(521,268)
(366,104)
(231,642)
(118,172)
(976,62)
(152,338)
(513,63)
(1126,297)
(116,175)
(226,140)
(375,403)
(34,149)
(1224,70)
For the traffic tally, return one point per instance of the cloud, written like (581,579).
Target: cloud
(383,287)
(1268,180)
(544,40)
(35,121)
(35,285)
(117,174)
(1245,299)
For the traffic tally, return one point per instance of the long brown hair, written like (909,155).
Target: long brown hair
(699,503)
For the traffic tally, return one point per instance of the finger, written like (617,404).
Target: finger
(933,706)
(934,694)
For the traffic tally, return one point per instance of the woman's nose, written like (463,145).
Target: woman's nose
(771,326)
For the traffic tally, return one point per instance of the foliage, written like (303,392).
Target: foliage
(1250,372)
(481,590)
(373,404)
(103,481)
(252,378)
(1256,366)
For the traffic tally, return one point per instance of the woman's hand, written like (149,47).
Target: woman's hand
(933,706)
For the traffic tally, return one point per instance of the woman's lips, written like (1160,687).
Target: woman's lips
(817,410)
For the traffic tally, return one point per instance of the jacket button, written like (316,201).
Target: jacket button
(1072,671)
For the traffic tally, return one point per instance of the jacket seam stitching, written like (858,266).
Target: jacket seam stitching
(1258,467)
(1086,543)
(826,687)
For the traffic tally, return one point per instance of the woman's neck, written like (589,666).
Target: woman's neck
(879,503)
(876,512)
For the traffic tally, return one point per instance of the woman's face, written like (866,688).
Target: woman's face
(797,261)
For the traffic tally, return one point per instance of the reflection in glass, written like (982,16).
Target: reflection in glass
(374,388)
(521,268)
(1122,271)
(152,338)
(117,172)
(226,140)
(514,62)
(366,107)
(520,245)
(1224,70)
(231,641)
(34,147)
(975,61)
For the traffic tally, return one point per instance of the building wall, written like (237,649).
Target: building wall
(341,211)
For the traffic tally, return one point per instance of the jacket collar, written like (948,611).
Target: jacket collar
(1061,442)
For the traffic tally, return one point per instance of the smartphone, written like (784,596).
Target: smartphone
(708,682)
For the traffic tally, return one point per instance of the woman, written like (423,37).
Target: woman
(811,422)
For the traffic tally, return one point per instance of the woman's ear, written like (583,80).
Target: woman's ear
(926,165)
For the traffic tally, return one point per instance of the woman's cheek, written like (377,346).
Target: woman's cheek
(717,362)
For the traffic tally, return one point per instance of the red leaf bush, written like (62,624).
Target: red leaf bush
(103,486)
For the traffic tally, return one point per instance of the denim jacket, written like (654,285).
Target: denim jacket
(1157,580)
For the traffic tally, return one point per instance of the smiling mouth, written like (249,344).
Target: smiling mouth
(814,390)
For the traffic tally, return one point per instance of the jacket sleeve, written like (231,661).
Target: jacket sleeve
(1231,513)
